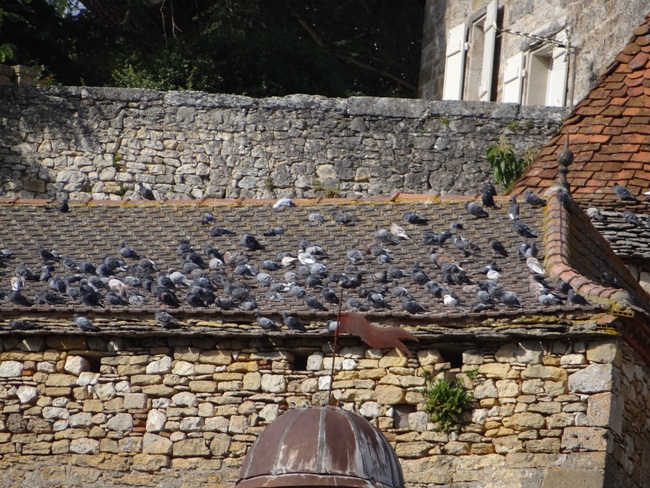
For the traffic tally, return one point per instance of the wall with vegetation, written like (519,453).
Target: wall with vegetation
(79,142)
(182,411)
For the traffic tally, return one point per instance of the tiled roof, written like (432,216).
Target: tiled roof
(94,229)
(609,131)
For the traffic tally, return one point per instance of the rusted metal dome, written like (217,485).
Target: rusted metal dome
(321,446)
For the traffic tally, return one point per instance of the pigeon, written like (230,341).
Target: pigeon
(292,322)
(84,323)
(19,299)
(523,230)
(63,206)
(513,208)
(411,306)
(265,322)
(207,218)
(575,298)
(429,238)
(48,256)
(377,300)
(467,247)
(631,218)
(250,242)
(166,320)
(114,299)
(398,231)
(534,265)
(418,275)
(497,247)
(343,219)
(476,210)
(594,214)
(145,192)
(315,304)
(547,297)
(275,231)
(283,202)
(510,299)
(488,192)
(316,218)
(128,252)
(623,193)
(46,297)
(413,218)
(450,300)
(220,231)
(386,237)
(533,199)
(329,295)
(356,305)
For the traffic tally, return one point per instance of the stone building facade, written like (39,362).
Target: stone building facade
(500,64)
(182,411)
(80,142)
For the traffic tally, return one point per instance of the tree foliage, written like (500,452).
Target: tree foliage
(253,47)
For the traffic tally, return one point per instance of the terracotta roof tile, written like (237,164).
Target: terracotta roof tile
(609,130)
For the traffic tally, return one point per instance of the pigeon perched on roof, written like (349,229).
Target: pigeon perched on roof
(398,231)
(265,322)
(84,323)
(413,218)
(513,208)
(316,218)
(220,231)
(488,192)
(523,230)
(207,218)
(623,193)
(533,199)
(250,242)
(476,210)
(631,218)
(594,214)
(576,298)
(292,322)
(497,247)
(342,218)
(145,192)
(283,202)
(315,304)
(166,320)
(411,306)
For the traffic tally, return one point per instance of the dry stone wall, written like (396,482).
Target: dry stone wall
(171,412)
(102,142)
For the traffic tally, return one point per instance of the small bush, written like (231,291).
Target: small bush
(445,401)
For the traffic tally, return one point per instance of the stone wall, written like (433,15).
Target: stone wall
(100,142)
(170,411)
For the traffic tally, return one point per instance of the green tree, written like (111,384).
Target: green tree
(254,47)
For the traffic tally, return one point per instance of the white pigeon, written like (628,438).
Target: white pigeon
(398,231)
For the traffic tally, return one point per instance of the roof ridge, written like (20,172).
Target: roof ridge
(563,221)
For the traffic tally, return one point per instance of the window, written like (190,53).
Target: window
(538,76)
(470,58)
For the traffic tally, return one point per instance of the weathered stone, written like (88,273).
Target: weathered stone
(156,420)
(160,366)
(584,438)
(389,395)
(486,390)
(27,394)
(156,444)
(429,356)
(494,370)
(273,383)
(135,401)
(82,419)
(592,379)
(602,352)
(184,399)
(508,444)
(412,449)
(75,365)
(84,446)
(393,358)
(220,445)
(150,462)
(9,369)
(183,368)
(191,448)
(548,445)
(507,388)
(122,422)
(544,372)
(525,421)
(203,386)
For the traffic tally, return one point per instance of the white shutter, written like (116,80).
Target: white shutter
(555,94)
(455,64)
(490,30)
(513,78)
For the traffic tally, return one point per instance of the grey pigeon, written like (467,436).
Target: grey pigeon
(631,218)
(46,297)
(523,230)
(623,193)
(220,231)
(411,306)
(497,247)
(250,242)
(510,299)
(575,298)
(63,206)
(594,214)
(166,320)
(316,218)
(265,322)
(533,199)
(207,218)
(84,323)
(329,295)
(128,252)
(488,192)
(292,322)
(513,208)
(19,299)
(547,297)
(342,218)
(377,300)
(476,210)
(283,202)
(145,192)
(386,237)
(313,303)
(413,218)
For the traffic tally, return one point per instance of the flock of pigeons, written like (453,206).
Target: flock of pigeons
(208,278)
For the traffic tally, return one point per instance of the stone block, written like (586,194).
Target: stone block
(75,365)
(525,421)
(215,357)
(11,369)
(156,420)
(584,439)
(573,478)
(595,378)
(184,399)
(547,445)
(156,444)
(203,386)
(389,394)
(150,462)
(603,352)
(412,449)
(487,389)
(135,401)
(544,372)
(599,407)
(393,358)
(273,383)
(121,422)
(220,445)
(494,370)
(191,448)
(84,445)
(27,394)
(508,444)
(429,356)
(159,366)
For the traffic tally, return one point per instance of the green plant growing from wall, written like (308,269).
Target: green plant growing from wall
(269,184)
(117,158)
(505,165)
(326,191)
(445,401)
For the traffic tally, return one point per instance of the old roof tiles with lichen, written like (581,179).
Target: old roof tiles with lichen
(76,243)
(608,131)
